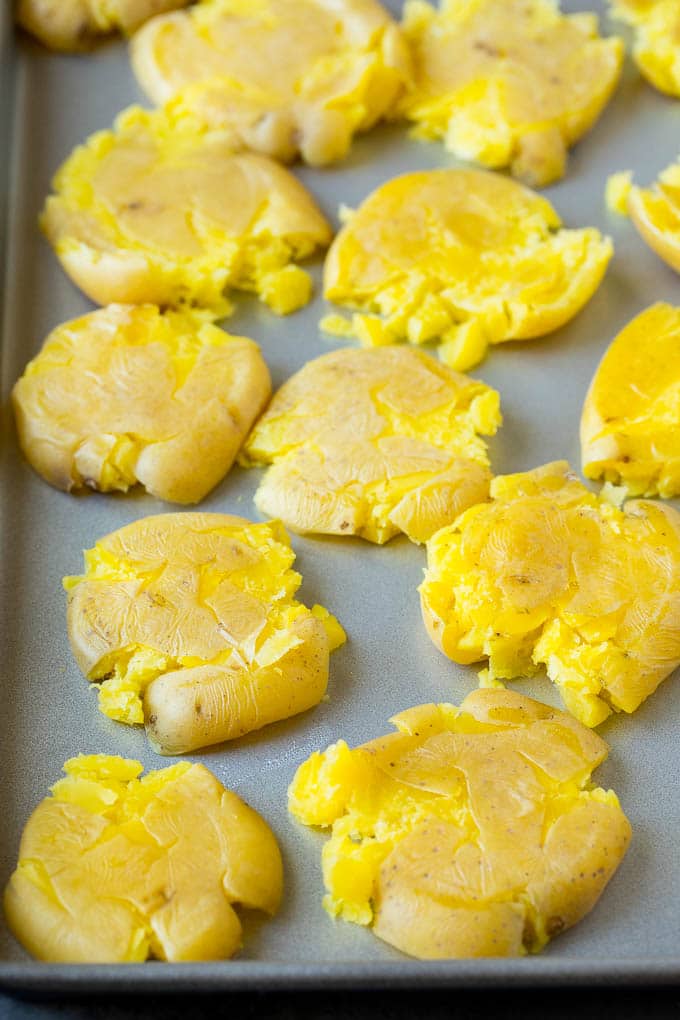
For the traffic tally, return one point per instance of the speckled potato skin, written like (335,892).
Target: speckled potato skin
(109,380)
(470,832)
(549,574)
(373,443)
(286,77)
(508,83)
(116,869)
(77,24)
(164,213)
(466,258)
(189,624)
(630,421)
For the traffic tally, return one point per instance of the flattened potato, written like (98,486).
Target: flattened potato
(657,39)
(286,76)
(116,867)
(472,831)
(630,426)
(189,624)
(461,256)
(508,83)
(374,442)
(655,211)
(76,24)
(163,213)
(128,394)
(551,574)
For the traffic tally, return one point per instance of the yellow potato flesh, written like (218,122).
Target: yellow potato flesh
(164,213)
(76,24)
(550,574)
(116,867)
(656,48)
(128,394)
(286,76)
(469,832)
(461,256)
(508,83)
(630,426)
(189,624)
(655,212)
(374,442)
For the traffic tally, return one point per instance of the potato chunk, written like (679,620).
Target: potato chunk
(374,442)
(630,427)
(471,831)
(116,867)
(550,574)
(656,48)
(288,77)
(508,83)
(655,211)
(161,212)
(189,625)
(76,24)
(461,256)
(128,394)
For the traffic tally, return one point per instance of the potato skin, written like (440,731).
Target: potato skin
(116,868)
(469,832)
(193,708)
(110,377)
(161,623)
(256,219)
(72,25)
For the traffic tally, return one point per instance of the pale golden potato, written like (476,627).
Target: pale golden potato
(549,574)
(288,77)
(188,623)
(130,394)
(656,48)
(76,24)
(655,211)
(116,867)
(508,83)
(164,213)
(373,443)
(463,257)
(471,831)
(630,426)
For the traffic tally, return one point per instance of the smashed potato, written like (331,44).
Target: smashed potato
(550,574)
(472,831)
(163,213)
(655,211)
(461,256)
(129,394)
(630,426)
(656,49)
(285,76)
(374,442)
(76,24)
(116,867)
(508,83)
(188,623)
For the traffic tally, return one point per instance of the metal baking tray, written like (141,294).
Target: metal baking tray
(48,104)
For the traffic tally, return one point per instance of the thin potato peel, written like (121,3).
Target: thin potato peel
(549,574)
(373,443)
(189,624)
(117,867)
(468,832)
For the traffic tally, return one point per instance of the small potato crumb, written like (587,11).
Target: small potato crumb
(617,191)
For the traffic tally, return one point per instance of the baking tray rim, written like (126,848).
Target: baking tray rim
(244,975)
(259,975)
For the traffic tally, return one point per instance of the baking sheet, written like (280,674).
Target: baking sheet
(50,103)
